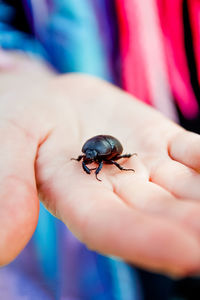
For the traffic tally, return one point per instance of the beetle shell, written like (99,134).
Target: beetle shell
(105,145)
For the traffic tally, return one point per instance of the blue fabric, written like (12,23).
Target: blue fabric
(72,34)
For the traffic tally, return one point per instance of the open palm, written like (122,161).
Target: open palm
(150,218)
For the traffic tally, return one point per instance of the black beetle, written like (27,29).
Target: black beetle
(102,149)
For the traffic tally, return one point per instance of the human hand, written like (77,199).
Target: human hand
(149,218)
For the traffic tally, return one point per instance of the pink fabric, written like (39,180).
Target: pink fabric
(173,38)
(153,55)
(194,11)
(134,82)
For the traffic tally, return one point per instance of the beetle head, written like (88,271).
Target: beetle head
(90,154)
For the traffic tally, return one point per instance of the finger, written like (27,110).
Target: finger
(185,148)
(100,219)
(155,200)
(19,204)
(177,178)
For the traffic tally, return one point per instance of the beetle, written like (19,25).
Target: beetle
(102,149)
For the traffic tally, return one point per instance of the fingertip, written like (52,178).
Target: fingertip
(18,218)
(184,147)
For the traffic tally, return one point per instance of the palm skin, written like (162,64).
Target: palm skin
(150,218)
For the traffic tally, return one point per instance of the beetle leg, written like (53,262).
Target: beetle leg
(78,158)
(120,167)
(124,156)
(85,168)
(98,170)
